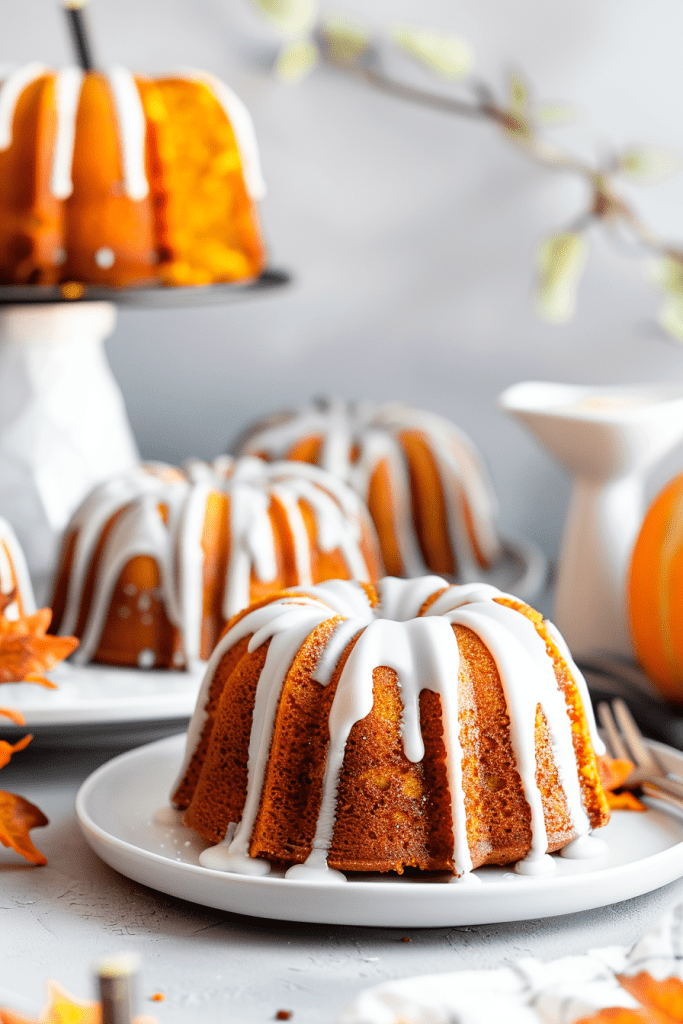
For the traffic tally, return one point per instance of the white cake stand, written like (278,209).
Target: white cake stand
(63,422)
(608,438)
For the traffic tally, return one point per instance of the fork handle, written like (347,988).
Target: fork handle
(671,786)
(650,789)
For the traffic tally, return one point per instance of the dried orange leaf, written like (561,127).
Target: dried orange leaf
(14,715)
(26,652)
(614,771)
(663,998)
(17,818)
(63,1008)
(625,801)
(7,749)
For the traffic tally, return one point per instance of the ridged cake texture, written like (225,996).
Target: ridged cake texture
(157,560)
(422,478)
(347,727)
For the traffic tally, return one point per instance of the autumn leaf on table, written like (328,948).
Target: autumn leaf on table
(26,652)
(62,1008)
(18,816)
(613,774)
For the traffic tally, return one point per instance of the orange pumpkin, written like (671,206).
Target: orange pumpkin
(656,592)
(120,180)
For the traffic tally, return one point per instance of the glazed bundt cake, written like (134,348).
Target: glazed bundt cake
(15,582)
(157,560)
(352,727)
(120,180)
(421,477)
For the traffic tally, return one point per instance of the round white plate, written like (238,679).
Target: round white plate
(117,803)
(102,704)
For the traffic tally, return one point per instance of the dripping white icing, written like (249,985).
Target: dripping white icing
(14,572)
(242,126)
(10,91)
(162,512)
(131,121)
(132,131)
(423,650)
(536,865)
(68,85)
(357,437)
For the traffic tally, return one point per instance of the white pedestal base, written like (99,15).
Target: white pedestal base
(63,423)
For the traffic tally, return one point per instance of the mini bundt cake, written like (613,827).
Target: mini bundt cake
(425,484)
(15,582)
(121,180)
(157,560)
(348,727)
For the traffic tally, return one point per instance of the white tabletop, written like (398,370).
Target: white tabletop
(57,921)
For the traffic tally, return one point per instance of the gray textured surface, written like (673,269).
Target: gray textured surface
(56,921)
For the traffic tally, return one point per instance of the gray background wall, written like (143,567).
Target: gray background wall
(411,234)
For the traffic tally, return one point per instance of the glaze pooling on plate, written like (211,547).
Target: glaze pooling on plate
(116,805)
(409,630)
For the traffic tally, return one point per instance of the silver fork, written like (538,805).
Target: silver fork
(625,740)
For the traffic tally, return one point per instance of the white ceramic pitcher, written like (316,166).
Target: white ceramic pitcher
(608,438)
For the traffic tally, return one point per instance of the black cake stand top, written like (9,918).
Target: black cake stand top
(157,297)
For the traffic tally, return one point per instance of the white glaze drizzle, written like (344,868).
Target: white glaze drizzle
(132,125)
(14,572)
(132,131)
(68,83)
(373,431)
(423,651)
(241,124)
(10,91)
(176,544)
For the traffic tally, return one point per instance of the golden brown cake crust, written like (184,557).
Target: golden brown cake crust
(391,813)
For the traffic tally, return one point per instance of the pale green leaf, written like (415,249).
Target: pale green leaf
(297,60)
(291,17)
(650,166)
(561,259)
(516,124)
(668,274)
(447,55)
(555,113)
(671,318)
(519,93)
(345,41)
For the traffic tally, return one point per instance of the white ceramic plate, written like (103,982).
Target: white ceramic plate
(117,803)
(99,704)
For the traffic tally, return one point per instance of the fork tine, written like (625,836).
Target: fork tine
(640,754)
(612,735)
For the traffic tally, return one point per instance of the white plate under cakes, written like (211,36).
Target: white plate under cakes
(118,804)
(101,705)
